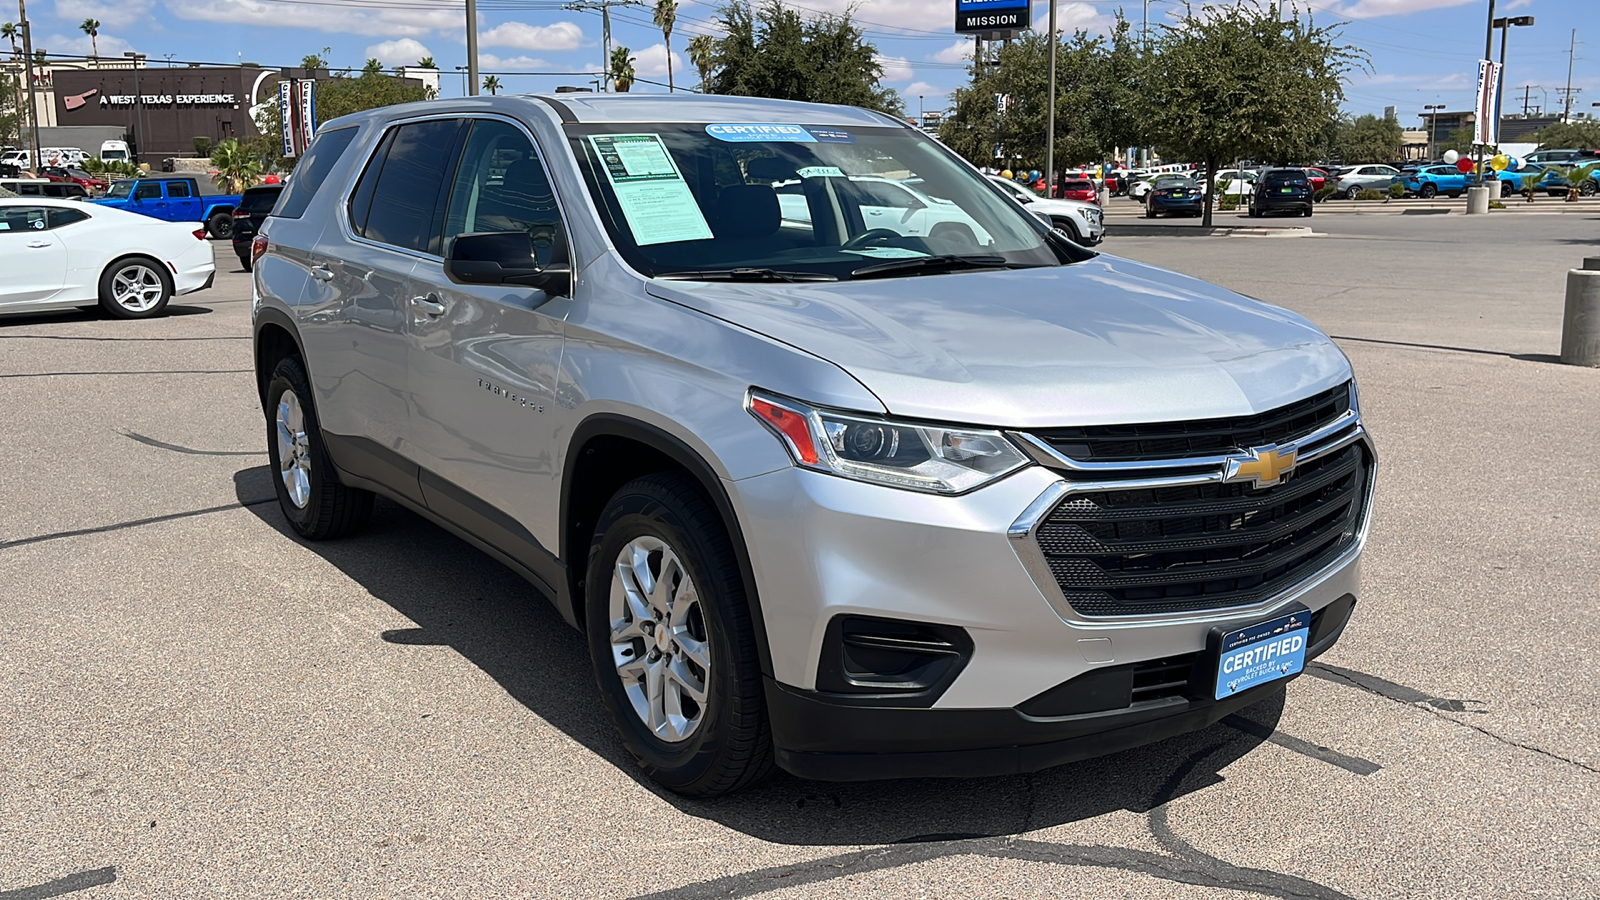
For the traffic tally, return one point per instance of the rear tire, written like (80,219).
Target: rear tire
(317,504)
(1588,188)
(665,604)
(135,288)
(1352,193)
(1428,191)
(220,226)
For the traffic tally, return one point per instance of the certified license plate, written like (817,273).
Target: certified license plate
(1264,652)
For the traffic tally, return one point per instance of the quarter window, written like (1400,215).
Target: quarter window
(313,169)
(501,186)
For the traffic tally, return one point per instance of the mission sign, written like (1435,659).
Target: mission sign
(986,16)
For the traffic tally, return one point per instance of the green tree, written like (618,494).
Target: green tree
(91,27)
(1369,139)
(373,67)
(702,49)
(666,15)
(1570,136)
(1236,81)
(1460,141)
(316,60)
(337,96)
(622,73)
(492,85)
(10,112)
(237,168)
(426,63)
(770,51)
(11,32)
(1097,100)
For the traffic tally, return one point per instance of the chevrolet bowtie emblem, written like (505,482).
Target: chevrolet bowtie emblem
(1261,466)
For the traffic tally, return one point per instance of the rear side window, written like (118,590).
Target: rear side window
(313,170)
(406,183)
(56,217)
(177,189)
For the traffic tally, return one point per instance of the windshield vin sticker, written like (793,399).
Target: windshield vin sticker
(655,200)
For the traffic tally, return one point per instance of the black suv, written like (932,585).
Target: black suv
(254,206)
(1282,190)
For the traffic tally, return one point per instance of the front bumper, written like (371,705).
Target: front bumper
(823,547)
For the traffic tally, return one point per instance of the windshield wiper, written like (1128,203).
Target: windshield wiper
(929,263)
(748,274)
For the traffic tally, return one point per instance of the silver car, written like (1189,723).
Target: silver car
(1350,181)
(818,494)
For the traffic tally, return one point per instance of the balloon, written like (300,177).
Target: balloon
(1033,175)
(1450,157)
(270,179)
(1499,162)
(1516,164)
(1007,174)
(1464,166)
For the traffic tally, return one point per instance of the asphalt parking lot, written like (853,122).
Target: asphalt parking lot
(199,705)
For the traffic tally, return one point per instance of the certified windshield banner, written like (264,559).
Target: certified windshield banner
(753,133)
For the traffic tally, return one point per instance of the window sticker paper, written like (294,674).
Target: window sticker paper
(655,199)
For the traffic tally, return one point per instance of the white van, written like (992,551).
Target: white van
(115,151)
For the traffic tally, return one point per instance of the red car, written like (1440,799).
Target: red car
(1317,177)
(77,176)
(1079,189)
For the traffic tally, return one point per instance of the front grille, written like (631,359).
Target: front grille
(1203,546)
(1202,437)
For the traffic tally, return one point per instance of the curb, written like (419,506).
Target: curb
(1140,229)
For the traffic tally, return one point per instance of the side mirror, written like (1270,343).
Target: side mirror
(504,257)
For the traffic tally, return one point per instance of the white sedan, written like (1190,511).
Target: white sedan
(59,254)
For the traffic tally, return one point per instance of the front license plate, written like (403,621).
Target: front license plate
(1266,651)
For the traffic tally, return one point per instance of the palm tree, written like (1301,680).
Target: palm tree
(10,32)
(492,85)
(91,27)
(666,17)
(237,167)
(701,49)
(373,67)
(426,63)
(316,60)
(622,73)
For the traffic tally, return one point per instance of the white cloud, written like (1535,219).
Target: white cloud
(491,63)
(113,14)
(896,68)
(1369,9)
(651,62)
(928,92)
(959,52)
(80,45)
(1072,15)
(389,23)
(522,36)
(402,52)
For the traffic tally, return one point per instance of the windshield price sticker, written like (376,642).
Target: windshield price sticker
(655,199)
(752,133)
(833,135)
(821,172)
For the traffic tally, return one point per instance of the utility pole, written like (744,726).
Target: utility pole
(1572,54)
(472,48)
(1050,112)
(33,101)
(1527,97)
(605,26)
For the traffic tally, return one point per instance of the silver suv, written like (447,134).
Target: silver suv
(861,492)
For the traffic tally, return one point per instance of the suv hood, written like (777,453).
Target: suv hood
(1104,341)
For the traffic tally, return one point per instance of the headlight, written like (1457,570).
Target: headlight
(931,458)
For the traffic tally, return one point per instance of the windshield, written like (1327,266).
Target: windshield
(783,200)
(108,155)
(120,190)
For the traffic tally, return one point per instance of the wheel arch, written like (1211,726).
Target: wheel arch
(275,338)
(608,450)
(160,267)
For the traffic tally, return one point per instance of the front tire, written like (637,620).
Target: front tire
(317,504)
(1589,188)
(671,640)
(135,288)
(1070,230)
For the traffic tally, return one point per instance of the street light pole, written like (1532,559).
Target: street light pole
(472,48)
(1432,110)
(1505,25)
(1050,110)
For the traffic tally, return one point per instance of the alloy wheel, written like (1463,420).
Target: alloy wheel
(137,288)
(659,642)
(294,449)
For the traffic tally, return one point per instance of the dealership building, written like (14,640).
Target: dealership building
(160,110)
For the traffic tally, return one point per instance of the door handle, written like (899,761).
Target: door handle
(38,244)
(322,273)
(431,305)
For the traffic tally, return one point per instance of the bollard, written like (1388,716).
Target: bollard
(1477,200)
(1580,323)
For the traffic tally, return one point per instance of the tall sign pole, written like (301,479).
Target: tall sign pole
(1050,113)
(1488,54)
(472,48)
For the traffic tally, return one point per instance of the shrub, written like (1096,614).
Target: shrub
(1397,191)
(1228,204)
(1372,195)
(1496,204)
(1324,194)
(202,145)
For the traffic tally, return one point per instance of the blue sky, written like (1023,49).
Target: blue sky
(1422,51)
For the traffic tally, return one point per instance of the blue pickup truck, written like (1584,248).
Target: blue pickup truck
(173,198)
